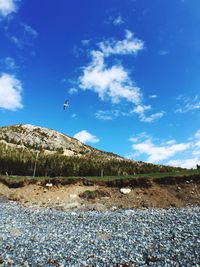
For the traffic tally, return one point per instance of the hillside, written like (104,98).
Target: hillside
(49,141)
(61,155)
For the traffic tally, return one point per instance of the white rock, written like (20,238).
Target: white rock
(72,196)
(125,191)
(49,184)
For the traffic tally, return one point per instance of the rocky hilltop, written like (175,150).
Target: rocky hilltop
(49,141)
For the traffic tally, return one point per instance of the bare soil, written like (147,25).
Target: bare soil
(103,196)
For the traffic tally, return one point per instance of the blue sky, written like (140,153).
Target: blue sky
(130,70)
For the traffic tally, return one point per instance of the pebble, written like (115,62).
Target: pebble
(150,237)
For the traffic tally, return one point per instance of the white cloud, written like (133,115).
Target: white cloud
(130,45)
(185,163)
(118,21)
(7,7)
(72,91)
(196,141)
(141,136)
(141,109)
(158,153)
(197,135)
(86,137)
(143,144)
(153,96)
(152,117)
(10,92)
(185,154)
(112,82)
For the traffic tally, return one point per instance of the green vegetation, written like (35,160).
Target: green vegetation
(21,161)
(105,178)
(152,175)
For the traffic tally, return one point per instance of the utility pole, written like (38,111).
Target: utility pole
(102,172)
(36,158)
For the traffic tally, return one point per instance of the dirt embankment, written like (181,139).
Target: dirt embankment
(84,194)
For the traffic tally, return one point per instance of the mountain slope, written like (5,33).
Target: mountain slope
(40,138)
(56,154)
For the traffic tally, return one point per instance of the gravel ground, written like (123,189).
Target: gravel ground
(154,237)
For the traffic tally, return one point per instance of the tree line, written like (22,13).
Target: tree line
(22,161)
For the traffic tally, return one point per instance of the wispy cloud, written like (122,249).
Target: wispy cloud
(118,21)
(29,30)
(10,63)
(86,137)
(141,111)
(24,36)
(85,42)
(74,116)
(73,91)
(170,152)
(130,45)
(152,117)
(153,96)
(158,153)
(193,157)
(10,92)
(107,115)
(187,104)
(163,52)
(17,41)
(7,7)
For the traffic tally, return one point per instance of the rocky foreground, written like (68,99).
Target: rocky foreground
(152,237)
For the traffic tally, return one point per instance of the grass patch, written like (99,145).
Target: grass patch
(152,175)
(19,179)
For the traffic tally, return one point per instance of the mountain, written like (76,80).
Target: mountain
(48,141)
(56,154)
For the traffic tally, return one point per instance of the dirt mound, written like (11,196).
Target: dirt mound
(82,194)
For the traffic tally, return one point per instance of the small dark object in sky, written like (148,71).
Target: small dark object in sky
(66,104)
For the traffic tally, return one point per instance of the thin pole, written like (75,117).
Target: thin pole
(36,158)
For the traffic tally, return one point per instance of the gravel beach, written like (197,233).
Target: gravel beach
(151,237)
